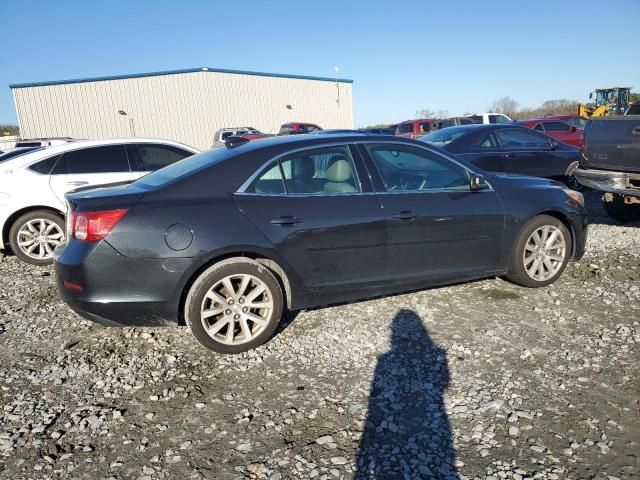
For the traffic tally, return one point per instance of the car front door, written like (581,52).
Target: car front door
(90,166)
(527,152)
(437,227)
(317,208)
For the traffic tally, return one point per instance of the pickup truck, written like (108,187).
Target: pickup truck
(611,164)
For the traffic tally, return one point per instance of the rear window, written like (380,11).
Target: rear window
(17,152)
(185,167)
(440,138)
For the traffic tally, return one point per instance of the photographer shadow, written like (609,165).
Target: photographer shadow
(407,433)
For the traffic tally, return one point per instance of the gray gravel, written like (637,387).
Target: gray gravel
(480,380)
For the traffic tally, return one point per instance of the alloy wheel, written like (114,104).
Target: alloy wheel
(544,253)
(38,237)
(236,309)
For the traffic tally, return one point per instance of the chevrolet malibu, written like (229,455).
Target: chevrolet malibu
(228,240)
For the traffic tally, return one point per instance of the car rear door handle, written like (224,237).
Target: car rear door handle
(404,215)
(77,183)
(286,220)
(636,130)
(509,155)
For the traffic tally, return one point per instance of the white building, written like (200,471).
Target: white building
(183,105)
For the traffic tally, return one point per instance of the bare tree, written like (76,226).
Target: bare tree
(506,105)
(425,113)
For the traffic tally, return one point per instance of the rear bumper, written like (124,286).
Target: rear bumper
(107,288)
(623,183)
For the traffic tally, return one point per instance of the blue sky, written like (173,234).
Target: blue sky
(449,55)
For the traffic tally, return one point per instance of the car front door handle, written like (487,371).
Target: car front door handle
(286,220)
(77,183)
(404,215)
(509,155)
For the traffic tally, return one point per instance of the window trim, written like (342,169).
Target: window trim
(242,190)
(370,163)
(366,160)
(520,149)
(89,147)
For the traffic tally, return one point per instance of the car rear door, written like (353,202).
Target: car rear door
(437,227)
(526,152)
(90,166)
(317,208)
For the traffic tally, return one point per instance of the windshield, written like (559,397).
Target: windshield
(440,138)
(184,167)
(17,152)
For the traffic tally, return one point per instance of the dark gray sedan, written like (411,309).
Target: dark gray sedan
(509,148)
(228,240)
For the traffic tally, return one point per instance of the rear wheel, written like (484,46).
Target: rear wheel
(234,306)
(540,253)
(35,235)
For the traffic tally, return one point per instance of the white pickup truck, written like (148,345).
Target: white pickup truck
(490,117)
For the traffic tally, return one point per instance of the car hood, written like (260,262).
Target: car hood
(514,179)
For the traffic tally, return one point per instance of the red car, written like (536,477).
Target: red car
(415,128)
(296,128)
(573,120)
(557,129)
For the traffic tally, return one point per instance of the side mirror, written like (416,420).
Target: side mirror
(478,183)
(572,129)
(554,144)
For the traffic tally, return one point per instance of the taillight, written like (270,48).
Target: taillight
(92,226)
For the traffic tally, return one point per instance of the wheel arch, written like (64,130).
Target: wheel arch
(23,211)
(259,257)
(562,217)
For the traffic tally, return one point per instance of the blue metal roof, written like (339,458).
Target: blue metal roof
(175,72)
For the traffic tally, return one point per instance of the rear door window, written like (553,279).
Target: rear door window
(522,139)
(104,159)
(45,166)
(488,142)
(556,127)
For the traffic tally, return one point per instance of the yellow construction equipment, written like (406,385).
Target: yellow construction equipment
(608,101)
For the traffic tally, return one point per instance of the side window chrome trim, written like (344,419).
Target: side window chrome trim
(426,148)
(243,188)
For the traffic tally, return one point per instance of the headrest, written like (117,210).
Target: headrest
(340,170)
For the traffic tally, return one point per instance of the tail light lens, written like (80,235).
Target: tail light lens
(92,226)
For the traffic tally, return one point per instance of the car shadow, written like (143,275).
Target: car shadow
(407,432)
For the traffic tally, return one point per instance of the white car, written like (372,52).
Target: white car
(33,185)
(490,117)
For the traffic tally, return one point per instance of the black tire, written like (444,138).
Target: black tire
(208,279)
(620,211)
(517,272)
(23,220)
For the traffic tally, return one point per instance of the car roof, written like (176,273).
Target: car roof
(39,154)
(309,140)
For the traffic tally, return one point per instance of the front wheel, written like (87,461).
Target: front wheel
(540,253)
(35,235)
(234,306)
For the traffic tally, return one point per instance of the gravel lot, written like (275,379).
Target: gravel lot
(480,380)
